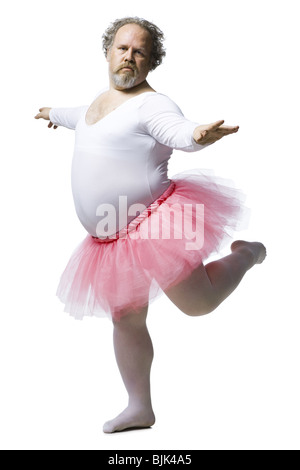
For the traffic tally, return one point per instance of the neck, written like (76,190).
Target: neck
(142,87)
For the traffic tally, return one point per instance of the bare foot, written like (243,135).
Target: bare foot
(130,418)
(256,249)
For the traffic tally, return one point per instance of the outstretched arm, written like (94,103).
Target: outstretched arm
(66,117)
(210,133)
(44,114)
(163,119)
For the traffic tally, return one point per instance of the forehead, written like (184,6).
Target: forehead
(133,34)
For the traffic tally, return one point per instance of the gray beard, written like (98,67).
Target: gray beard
(125,80)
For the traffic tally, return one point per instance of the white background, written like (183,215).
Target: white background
(229,380)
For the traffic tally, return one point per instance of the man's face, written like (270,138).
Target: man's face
(129,56)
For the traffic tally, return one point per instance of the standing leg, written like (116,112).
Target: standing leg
(134,354)
(209,285)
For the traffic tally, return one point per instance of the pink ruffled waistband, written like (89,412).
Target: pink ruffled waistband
(137,220)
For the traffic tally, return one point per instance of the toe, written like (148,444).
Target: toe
(108,428)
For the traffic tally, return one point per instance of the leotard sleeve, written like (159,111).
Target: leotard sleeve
(66,117)
(163,119)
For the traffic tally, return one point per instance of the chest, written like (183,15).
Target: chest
(113,132)
(102,107)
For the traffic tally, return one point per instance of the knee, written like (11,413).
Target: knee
(128,319)
(201,309)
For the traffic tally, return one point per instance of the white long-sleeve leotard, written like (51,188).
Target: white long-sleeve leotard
(125,153)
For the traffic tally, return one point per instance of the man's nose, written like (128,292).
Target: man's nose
(129,55)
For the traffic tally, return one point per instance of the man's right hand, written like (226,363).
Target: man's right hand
(44,114)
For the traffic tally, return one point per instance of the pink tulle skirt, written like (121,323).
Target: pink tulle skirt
(161,247)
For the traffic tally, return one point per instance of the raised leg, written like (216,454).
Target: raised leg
(134,354)
(209,285)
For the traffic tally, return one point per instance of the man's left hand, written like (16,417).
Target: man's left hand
(210,133)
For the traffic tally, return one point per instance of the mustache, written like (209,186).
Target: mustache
(127,66)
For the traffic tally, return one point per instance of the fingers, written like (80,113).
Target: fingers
(40,114)
(51,124)
(215,125)
(208,137)
(230,128)
(44,114)
(227,130)
(210,133)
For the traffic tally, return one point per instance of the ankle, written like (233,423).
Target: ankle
(140,404)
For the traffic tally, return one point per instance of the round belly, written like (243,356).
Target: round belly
(108,192)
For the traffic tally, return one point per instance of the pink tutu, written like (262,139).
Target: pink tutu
(161,247)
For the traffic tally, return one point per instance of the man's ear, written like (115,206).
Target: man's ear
(108,55)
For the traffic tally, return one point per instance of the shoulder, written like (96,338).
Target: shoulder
(101,92)
(155,101)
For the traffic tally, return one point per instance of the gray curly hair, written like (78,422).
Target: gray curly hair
(158,51)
